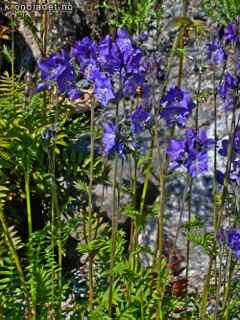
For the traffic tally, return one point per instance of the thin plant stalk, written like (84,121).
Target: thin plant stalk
(56,225)
(133,228)
(53,227)
(114,229)
(90,207)
(191,180)
(218,284)
(189,221)
(29,219)
(227,289)
(114,236)
(204,300)
(28,203)
(159,244)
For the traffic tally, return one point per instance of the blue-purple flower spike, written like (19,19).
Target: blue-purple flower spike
(139,118)
(190,152)
(233,240)
(178,106)
(215,52)
(111,140)
(57,68)
(231,32)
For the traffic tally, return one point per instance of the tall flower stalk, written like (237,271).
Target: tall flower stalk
(29,219)
(113,237)
(164,172)
(90,205)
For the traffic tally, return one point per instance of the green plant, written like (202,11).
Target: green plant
(222,10)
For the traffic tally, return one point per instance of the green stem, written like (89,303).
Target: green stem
(185,7)
(29,218)
(53,229)
(56,227)
(114,236)
(203,306)
(134,224)
(114,227)
(142,305)
(28,203)
(90,205)
(218,283)
(227,291)
(189,221)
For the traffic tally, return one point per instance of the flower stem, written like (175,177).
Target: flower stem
(115,206)
(114,235)
(204,301)
(227,291)
(29,219)
(90,205)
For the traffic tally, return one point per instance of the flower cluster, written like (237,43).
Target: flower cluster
(234,175)
(57,69)
(178,106)
(128,134)
(115,67)
(190,152)
(139,118)
(227,91)
(231,32)
(232,239)
(215,52)
(214,49)
(112,139)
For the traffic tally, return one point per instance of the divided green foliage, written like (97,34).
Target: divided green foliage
(134,15)
(222,11)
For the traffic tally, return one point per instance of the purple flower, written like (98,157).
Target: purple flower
(131,83)
(109,55)
(191,152)
(227,91)
(234,175)
(111,63)
(220,177)
(132,61)
(85,52)
(123,41)
(57,68)
(103,90)
(111,140)
(178,106)
(223,151)
(74,94)
(233,240)
(230,237)
(138,119)
(215,53)
(48,133)
(231,32)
